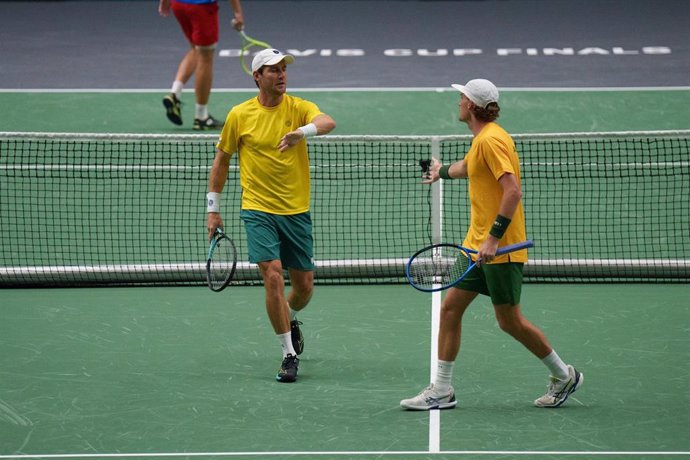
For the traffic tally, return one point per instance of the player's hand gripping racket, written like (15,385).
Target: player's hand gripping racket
(221,262)
(249,46)
(440,266)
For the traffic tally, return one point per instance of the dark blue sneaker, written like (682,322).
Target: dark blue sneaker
(209,123)
(296,336)
(172,108)
(288,369)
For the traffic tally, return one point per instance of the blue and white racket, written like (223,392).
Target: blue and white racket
(440,266)
(221,261)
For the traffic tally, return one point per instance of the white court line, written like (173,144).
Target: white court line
(107,167)
(352,454)
(434,415)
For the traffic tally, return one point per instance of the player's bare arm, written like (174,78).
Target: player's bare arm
(320,125)
(509,203)
(164,8)
(457,170)
(216,182)
(238,17)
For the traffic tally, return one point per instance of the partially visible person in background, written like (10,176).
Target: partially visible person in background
(199,22)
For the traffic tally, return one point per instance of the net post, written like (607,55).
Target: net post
(436,196)
(436,212)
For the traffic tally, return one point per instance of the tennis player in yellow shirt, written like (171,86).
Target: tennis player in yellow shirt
(496,219)
(269,132)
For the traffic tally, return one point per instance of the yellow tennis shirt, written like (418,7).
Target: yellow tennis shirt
(272,181)
(491,155)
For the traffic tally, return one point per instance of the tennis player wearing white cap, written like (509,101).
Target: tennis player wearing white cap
(496,219)
(269,132)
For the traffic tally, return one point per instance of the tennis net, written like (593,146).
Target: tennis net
(90,209)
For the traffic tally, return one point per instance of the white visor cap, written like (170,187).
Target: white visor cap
(481,92)
(270,56)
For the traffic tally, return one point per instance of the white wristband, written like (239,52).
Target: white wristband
(308,130)
(213,202)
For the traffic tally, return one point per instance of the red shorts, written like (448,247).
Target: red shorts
(199,22)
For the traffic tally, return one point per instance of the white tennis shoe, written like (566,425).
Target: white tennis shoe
(559,390)
(430,398)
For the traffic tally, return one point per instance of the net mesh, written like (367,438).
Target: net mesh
(126,209)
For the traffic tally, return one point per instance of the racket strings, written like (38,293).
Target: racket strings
(462,263)
(222,263)
(440,265)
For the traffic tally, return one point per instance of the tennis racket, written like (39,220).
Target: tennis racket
(249,46)
(440,266)
(221,262)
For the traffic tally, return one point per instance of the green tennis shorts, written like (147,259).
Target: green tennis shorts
(501,282)
(275,237)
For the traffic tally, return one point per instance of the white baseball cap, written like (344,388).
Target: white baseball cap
(270,57)
(481,92)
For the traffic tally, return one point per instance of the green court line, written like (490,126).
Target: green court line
(359,112)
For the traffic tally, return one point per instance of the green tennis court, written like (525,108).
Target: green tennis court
(181,372)
(361,112)
(187,372)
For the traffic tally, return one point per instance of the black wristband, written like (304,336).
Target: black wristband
(443,172)
(499,227)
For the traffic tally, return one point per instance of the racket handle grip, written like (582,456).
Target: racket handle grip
(515,247)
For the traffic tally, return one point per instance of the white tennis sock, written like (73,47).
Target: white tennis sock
(177,88)
(444,375)
(556,365)
(286,344)
(201,112)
